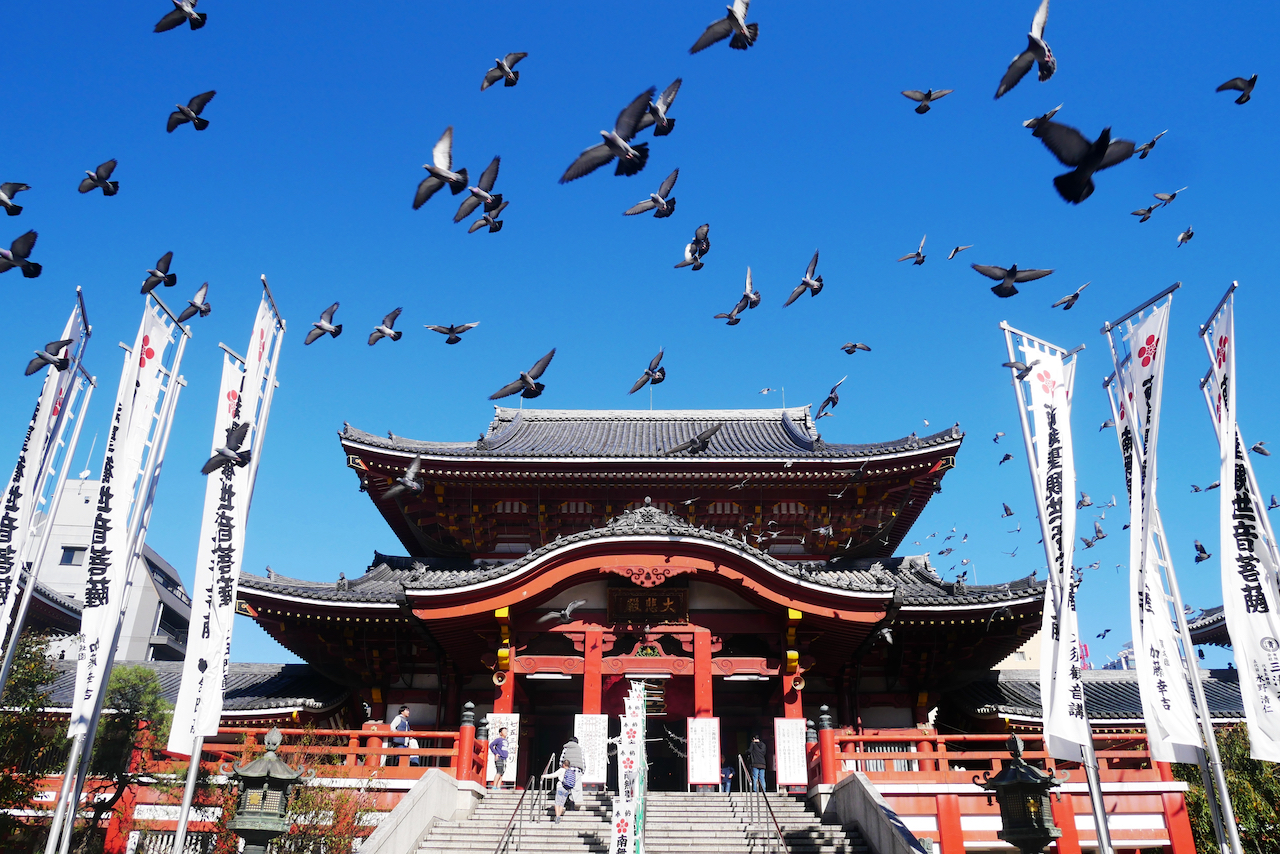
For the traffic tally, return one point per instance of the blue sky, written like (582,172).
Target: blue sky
(324,117)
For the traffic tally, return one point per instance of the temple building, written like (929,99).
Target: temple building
(564,553)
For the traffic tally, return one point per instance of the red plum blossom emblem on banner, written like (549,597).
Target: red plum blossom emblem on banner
(1047,382)
(147,352)
(1147,352)
(628,764)
(622,826)
(1222,350)
(232,397)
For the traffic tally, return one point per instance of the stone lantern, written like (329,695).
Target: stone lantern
(265,784)
(1023,793)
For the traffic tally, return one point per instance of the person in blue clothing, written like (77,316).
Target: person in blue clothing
(498,747)
(726,775)
(400,723)
(756,753)
(568,779)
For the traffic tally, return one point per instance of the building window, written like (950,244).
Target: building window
(1020,655)
(72,556)
(510,507)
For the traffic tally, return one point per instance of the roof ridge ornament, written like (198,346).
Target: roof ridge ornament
(648,516)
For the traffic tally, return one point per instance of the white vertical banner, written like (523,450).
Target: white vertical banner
(789,760)
(123,491)
(702,754)
(1247,549)
(592,732)
(1172,730)
(34,475)
(243,398)
(627,816)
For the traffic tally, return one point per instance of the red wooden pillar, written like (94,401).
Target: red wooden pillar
(466,743)
(592,680)
(1064,816)
(1177,823)
(792,705)
(504,696)
(702,704)
(827,748)
(117,838)
(950,833)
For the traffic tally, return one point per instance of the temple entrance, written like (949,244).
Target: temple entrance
(746,705)
(546,707)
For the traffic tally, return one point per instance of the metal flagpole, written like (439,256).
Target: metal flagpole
(20,617)
(150,476)
(1089,756)
(188,795)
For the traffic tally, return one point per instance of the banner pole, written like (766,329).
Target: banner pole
(56,827)
(188,795)
(29,589)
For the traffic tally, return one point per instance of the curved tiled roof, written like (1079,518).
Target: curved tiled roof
(630,434)
(1210,626)
(388,578)
(250,687)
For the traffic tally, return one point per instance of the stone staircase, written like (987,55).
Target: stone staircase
(676,823)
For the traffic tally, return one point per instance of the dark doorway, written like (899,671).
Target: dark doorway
(745,707)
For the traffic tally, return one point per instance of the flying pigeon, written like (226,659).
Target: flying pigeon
(564,616)
(1070,299)
(482,192)
(731,317)
(698,443)
(851,347)
(440,171)
(1259,449)
(1102,634)
(1201,553)
(1085,501)
(230,452)
(1110,422)
(502,69)
(918,255)
(617,143)
(657,112)
(386,329)
(1098,533)
(1146,147)
(7,192)
(1039,120)
(454,332)
(1008,511)
(49,356)
(810,282)
(1185,237)
(184,11)
(735,24)
(160,275)
(1022,369)
(1037,52)
(751,295)
(1073,149)
(408,482)
(526,385)
(98,179)
(833,398)
(653,373)
(191,112)
(324,325)
(199,304)
(1274,504)
(1239,84)
(17,254)
(925,97)
(999,434)
(697,248)
(658,202)
(1005,459)
(1166,198)
(958,250)
(1213,485)
(1145,213)
(1008,278)
(489,218)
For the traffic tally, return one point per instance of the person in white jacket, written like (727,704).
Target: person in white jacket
(567,779)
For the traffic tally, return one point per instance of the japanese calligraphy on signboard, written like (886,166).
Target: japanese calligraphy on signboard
(703,755)
(648,605)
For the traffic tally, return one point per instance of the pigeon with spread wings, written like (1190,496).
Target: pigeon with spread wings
(652,374)
(918,255)
(408,482)
(50,356)
(160,275)
(698,443)
(1073,149)
(809,282)
(616,143)
(7,192)
(1146,147)
(230,452)
(563,616)
(832,400)
(697,248)
(18,255)
(482,192)
(184,12)
(1008,277)
(657,113)
(527,385)
(324,326)
(1037,53)
(440,171)
(1239,84)
(503,70)
(454,332)
(658,202)
(386,329)
(191,112)
(489,218)
(1070,299)
(925,98)
(199,304)
(100,179)
(734,24)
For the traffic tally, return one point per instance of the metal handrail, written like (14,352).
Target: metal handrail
(756,798)
(512,830)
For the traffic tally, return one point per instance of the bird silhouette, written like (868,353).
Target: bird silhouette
(1008,511)
(565,615)
(230,453)
(1005,459)
(833,397)
(454,333)
(734,24)
(616,143)
(1258,448)
(652,374)
(1073,149)
(440,171)
(1239,84)
(1036,53)
(50,356)
(1201,553)
(324,326)
(698,443)
(199,304)
(503,69)
(408,482)
(526,385)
